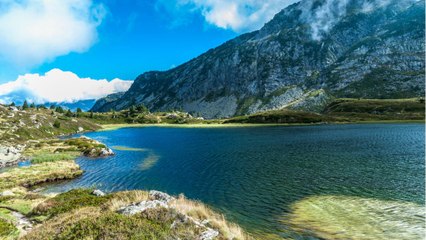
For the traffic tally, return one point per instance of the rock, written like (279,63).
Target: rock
(7,193)
(13,108)
(98,193)
(141,207)
(160,196)
(106,152)
(80,129)
(209,234)
(10,155)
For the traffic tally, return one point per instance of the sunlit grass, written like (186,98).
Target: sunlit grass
(53,157)
(343,217)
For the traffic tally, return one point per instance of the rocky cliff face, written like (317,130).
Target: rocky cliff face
(310,52)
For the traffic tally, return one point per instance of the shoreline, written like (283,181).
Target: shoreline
(111,127)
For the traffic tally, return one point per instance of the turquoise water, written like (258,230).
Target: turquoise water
(253,174)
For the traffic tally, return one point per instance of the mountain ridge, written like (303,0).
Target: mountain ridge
(370,51)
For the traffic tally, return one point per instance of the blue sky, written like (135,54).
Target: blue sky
(113,39)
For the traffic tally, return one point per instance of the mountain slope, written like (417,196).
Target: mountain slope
(308,53)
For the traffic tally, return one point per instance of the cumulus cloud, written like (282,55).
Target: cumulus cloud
(58,86)
(238,15)
(35,31)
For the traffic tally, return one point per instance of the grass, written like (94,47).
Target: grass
(280,116)
(68,201)
(80,215)
(39,173)
(52,157)
(343,217)
(7,230)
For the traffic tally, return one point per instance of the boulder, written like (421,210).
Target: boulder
(98,193)
(209,234)
(141,207)
(106,152)
(160,196)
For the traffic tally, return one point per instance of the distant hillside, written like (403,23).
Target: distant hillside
(84,105)
(19,126)
(106,103)
(309,53)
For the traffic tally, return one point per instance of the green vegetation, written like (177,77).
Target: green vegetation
(124,148)
(17,127)
(377,109)
(68,201)
(344,217)
(7,230)
(345,110)
(80,215)
(280,116)
(52,157)
(39,173)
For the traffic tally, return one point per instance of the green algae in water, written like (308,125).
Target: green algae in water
(149,161)
(343,217)
(124,148)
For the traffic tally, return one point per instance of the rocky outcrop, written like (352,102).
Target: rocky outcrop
(354,48)
(161,200)
(10,155)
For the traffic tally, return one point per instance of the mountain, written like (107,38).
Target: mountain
(103,104)
(309,53)
(84,105)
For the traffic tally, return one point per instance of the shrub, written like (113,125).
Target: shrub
(57,124)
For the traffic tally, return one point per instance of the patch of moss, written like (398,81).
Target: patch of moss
(39,173)
(7,230)
(52,157)
(68,201)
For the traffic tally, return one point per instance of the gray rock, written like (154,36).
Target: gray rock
(209,234)
(7,193)
(160,196)
(106,152)
(98,193)
(141,207)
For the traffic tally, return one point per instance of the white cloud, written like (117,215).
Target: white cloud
(238,15)
(35,31)
(58,86)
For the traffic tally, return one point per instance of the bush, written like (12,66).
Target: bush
(57,124)
(68,201)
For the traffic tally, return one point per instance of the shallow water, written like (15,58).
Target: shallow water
(253,175)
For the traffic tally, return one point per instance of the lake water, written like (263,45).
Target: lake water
(254,174)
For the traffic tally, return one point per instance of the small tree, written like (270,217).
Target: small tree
(91,114)
(57,124)
(132,110)
(52,106)
(25,105)
(59,109)
(142,108)
(68,113)
(32,105)
(12,104)
(79,110)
